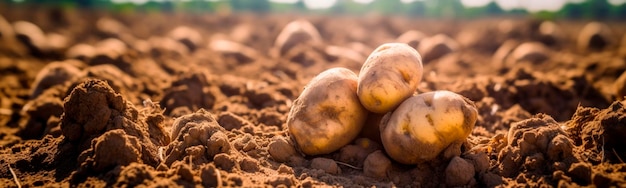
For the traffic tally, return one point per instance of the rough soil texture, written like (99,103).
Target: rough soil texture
(98,99)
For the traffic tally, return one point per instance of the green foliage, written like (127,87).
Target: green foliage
(261,6)
(588,9)
(416,8)
(544,15)
(387,6)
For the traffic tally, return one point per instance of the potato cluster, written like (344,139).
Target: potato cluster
(333,108)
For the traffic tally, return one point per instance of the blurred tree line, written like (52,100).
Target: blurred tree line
(588,9)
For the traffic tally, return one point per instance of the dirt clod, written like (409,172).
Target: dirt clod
(459,172)
(325,164)
(81,121)
(198,129)
(281,150)
(113,148)
(376,165)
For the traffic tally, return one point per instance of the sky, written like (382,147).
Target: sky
(319,4)
(530,5)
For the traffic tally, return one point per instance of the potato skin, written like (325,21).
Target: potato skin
(389,75)
(425,124)
(327,115)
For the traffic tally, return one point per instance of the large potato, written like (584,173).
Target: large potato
(328,114)
(425,124)
(389,75)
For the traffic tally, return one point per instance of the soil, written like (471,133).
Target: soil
(98,99)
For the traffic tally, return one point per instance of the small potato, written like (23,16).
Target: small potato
(550,33)
(389,75)
(30,34)
(411,38)
(327,115)
(190,37)
(534,52)
(426,124)
(595,36)
(297,32)
(437,46)
(240,52)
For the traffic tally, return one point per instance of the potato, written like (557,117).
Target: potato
(389,75)
(30,34)
(595,36)
(534,52)
(550,33)
(426,124)
(437,46)
(411,38)
(297,32)
(327,115)
(190,37)
(240,52)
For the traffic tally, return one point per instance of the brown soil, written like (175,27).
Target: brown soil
(158,100)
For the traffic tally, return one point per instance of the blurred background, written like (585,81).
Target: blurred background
(543,9)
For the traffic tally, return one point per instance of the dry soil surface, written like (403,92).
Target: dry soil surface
(161,99)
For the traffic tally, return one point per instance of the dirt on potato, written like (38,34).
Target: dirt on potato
(98,99)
